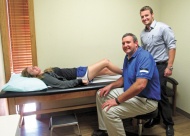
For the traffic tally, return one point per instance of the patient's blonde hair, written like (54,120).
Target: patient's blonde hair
(48,70)
(25,73)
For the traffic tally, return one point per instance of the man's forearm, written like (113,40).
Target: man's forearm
(171,57)
(118,83)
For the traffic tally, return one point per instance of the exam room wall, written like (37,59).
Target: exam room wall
(176,14)
(70,33)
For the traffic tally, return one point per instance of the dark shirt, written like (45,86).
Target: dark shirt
(62,78)
(68,73)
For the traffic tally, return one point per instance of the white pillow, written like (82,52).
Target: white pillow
(18,83)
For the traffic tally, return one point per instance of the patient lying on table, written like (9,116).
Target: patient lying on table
(71,77)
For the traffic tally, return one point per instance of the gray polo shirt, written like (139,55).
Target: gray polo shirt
(158,40)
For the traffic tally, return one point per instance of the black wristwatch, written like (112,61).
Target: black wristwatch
(170,68)
(116,100)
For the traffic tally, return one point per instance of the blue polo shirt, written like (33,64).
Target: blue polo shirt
(142,65)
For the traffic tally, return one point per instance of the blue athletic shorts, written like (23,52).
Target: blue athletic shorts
(81,71)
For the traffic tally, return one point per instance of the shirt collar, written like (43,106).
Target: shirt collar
(136,53)
(152,26)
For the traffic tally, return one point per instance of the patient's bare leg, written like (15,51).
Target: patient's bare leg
(106,71)
(101,68)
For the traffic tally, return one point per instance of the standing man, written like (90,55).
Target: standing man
(158,39)
(139,94)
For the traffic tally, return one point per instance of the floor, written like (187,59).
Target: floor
(88,122)
(34,127)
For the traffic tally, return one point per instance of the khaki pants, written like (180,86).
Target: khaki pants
(111,120)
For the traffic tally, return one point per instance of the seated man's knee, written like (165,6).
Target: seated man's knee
(108,114)
(98,95)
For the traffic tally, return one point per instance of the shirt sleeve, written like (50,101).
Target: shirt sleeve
(145,67)
(169,38)
(54,82)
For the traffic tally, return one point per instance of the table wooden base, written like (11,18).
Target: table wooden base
(16,104)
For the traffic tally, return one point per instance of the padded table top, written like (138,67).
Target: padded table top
(92,86)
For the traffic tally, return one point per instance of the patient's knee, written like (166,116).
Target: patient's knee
(106,61)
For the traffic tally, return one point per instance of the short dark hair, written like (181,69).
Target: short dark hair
(146,8)
(132,35)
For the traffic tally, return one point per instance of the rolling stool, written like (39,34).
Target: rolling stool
(140,119)
(62,121)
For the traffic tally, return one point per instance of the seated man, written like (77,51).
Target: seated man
(140,93)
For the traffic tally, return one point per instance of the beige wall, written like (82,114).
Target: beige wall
(70,33)
(176,14)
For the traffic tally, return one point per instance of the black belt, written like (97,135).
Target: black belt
(152,99)
(161,63)
(149,99)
